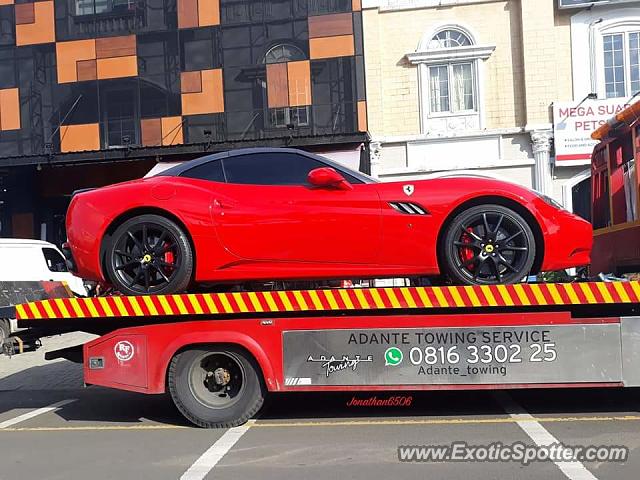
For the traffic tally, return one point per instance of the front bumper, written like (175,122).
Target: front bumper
(567,242)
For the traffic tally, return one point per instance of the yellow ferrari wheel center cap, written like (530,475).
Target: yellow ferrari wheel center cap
(488,248)
(146,258)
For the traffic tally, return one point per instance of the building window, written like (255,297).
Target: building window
(634,61)
(449,39)
(452,84)
(91,7)
(451,88)
(120,116)
(284,52)
(282,117)
(621,55)
(450,75)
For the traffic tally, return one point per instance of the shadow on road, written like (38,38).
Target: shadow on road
(451,403)
(60,375)
(43,385)
(40,386)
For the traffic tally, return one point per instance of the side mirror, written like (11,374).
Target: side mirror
(327,177)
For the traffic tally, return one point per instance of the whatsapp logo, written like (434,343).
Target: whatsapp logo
(393,356)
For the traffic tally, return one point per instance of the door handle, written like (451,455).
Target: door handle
(218,204)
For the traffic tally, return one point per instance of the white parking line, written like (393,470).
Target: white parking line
(203,465)
(34,413)
(541,436)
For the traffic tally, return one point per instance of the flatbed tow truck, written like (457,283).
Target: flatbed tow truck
(220,354)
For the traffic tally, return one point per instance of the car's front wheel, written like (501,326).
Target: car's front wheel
(149,254)
(488,244)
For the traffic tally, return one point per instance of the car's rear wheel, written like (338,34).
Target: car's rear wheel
(488,245)
(149,254)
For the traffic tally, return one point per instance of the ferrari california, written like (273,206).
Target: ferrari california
(284,214)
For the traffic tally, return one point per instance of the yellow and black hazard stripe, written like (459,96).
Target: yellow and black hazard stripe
(334,300)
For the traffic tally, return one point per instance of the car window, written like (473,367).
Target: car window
(55,261)
(272,169)
(211,171)
(269,169)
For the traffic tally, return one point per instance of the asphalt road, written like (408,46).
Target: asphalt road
(95,433)
(105,434)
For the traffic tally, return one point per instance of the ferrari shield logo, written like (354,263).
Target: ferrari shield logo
(408,189)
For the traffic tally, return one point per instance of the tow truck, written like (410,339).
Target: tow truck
(220,354)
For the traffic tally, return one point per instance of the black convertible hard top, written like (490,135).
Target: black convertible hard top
(183,167)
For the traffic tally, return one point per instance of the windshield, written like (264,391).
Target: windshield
(344,169)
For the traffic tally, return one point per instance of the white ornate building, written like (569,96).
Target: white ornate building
(471,84)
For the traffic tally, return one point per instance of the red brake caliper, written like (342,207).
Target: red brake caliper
(169,256)
(467,253)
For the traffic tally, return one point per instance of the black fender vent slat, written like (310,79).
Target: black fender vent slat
(408,208)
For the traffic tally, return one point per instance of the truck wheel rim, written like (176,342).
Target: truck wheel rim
(146,258)
(217,380)
(491,248)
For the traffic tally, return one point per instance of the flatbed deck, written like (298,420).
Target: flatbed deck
(207,346)
(304,302)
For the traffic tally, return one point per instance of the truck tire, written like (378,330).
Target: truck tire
(216,386)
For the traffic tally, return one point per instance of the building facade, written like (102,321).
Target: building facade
(97,91)
(471,85)
(605,61)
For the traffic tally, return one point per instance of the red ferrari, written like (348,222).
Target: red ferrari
(284,214)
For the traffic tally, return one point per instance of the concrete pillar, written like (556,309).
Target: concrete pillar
(541,143)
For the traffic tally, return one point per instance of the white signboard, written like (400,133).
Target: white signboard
(454,153)
(573,125)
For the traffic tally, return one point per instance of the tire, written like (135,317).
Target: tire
(202,400)
(149,254)
(503,253)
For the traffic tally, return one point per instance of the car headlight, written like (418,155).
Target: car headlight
(550,201)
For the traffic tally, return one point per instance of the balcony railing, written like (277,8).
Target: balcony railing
(107,16)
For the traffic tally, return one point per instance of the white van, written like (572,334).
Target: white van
(24,260)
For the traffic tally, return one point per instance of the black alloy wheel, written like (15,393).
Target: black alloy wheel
(149,254)
(488,245)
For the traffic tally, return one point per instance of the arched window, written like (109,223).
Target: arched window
(452,85)
(283,52)
(450,73)
(449,38)
(280,117)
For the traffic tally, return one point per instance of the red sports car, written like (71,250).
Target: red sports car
(284,214)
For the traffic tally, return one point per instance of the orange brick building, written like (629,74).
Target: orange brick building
(97,91)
